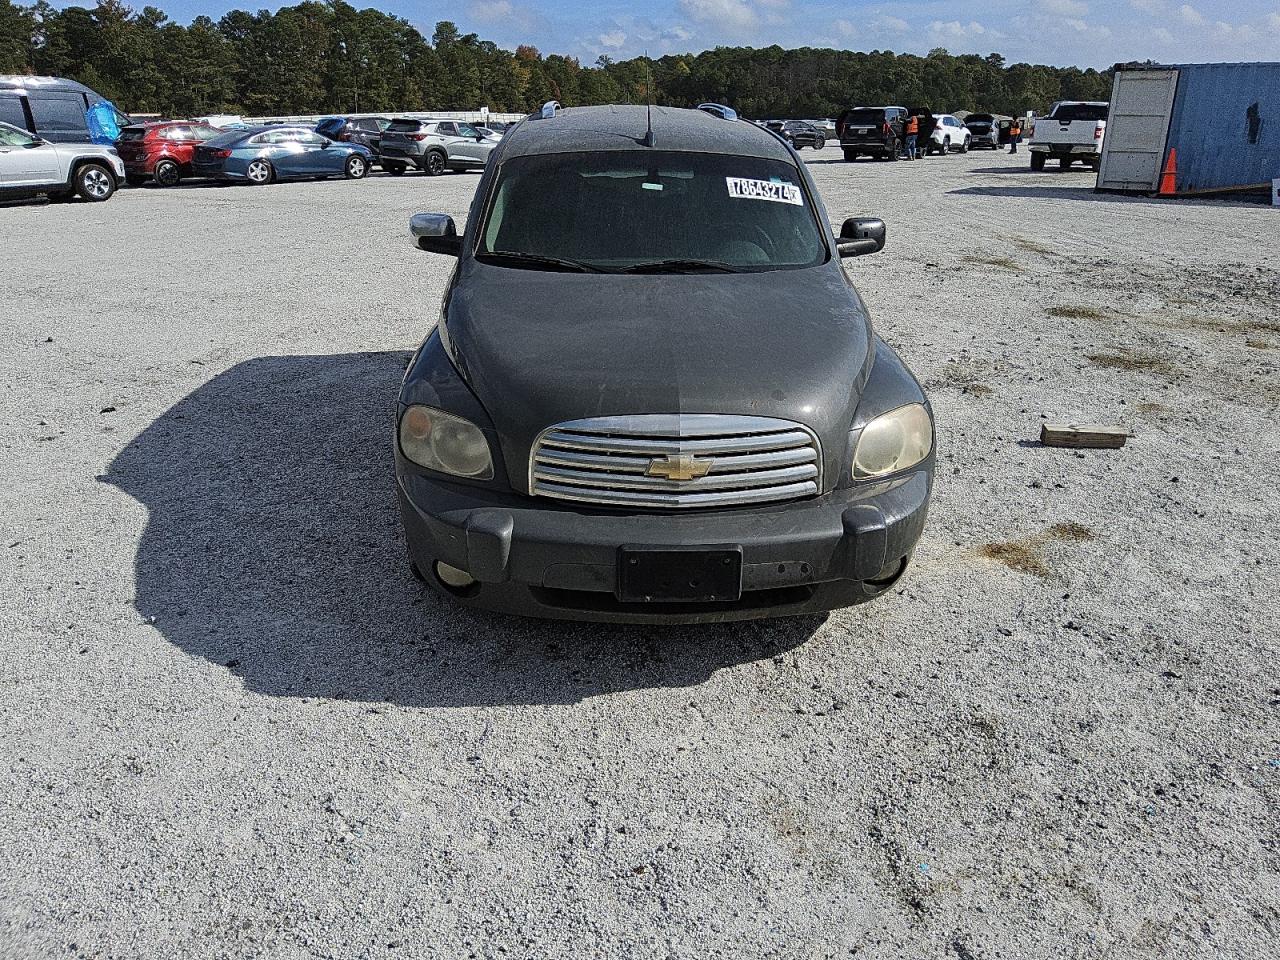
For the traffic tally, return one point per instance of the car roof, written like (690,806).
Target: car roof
(623,127)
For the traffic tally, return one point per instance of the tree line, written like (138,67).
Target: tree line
(329,57)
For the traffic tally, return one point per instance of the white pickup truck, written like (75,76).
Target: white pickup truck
(1072,131)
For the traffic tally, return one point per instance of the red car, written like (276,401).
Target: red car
(162,151)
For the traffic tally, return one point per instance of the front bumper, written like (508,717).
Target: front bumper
(545,558)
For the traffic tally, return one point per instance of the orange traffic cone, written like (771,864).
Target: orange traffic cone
(1169,180)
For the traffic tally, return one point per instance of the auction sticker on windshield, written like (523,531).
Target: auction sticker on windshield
(743,189)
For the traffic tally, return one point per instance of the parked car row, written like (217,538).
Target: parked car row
(882,132)
(167,152)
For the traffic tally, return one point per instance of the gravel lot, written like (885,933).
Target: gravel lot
(234,727)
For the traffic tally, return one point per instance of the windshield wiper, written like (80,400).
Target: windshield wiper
(680,266)
(533,260)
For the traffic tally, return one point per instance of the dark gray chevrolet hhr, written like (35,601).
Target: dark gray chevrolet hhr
(653,394)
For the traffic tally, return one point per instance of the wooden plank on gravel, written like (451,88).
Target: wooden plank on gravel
(1071,435)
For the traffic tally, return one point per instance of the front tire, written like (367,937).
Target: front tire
(394,169)
(259,173)
(434,164)
(1065,163)
(820,145)
(95,183)
(964,147)
(167,174)
(850,156)
(1037,161)
(356,167)
(135,179)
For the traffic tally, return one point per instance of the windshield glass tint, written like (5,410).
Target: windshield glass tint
(410,126)
(133,133)
(13,137)
(225,139)
(615,210)
(1080,111)
(864,117)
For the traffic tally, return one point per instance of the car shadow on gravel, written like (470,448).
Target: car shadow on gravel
(1066,192)
(273,549)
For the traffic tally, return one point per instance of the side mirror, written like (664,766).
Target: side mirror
(435,233)
(860,236)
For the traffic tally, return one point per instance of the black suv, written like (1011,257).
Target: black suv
(687,419)
(798,133)
(363,130)
(872,131)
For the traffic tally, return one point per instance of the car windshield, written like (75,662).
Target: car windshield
(651,210)
(13,137)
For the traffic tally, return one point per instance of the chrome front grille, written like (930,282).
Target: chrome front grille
(673,461)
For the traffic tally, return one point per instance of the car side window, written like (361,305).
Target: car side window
(14,138)
(58,114)
(446,130)
(11,112)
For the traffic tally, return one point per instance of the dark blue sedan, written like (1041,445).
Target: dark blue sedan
(263,154)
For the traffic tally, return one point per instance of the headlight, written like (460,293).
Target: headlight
(893,441)
(440,441)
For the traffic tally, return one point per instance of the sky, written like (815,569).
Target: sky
(1087,33)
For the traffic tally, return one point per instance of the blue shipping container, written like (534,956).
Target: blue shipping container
(1226,125)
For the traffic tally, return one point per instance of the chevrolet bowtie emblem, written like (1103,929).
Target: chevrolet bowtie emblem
(679,466)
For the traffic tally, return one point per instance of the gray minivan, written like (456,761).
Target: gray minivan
(51,108)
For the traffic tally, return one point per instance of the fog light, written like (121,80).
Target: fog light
(453,577)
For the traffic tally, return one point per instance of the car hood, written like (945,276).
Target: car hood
(539,348)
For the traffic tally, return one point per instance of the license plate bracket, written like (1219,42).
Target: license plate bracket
(680,574)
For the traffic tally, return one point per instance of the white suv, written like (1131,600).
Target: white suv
(433,146)
(948,135)
(30,166)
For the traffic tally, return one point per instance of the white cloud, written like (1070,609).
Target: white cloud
(1163,35)
(888,24)
(846,29)
(1065,8)
(730,14)
(954,29)
(612,40)
(1191,16)
(492,11)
